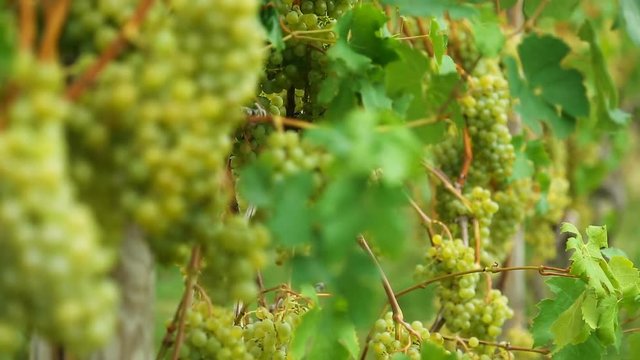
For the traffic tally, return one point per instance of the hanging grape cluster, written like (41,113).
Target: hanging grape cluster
(164,121)
(53,267)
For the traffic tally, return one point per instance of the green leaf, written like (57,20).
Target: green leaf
(436,8)
(304,333)
(254,184)
(7,43)
(590,310)
(365,36)
(553,9)
(630,10)
(608,322)
(291,220)
(570,327)
(627,275)
(565,291)
(550,92)
(587,260)
(431,351)
(591,349)
(606,96)
(271,22)
(487,32)
(438,41)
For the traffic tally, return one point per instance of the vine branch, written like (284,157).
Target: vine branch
(111,52)
(27,24)
(56,16)
(541,269)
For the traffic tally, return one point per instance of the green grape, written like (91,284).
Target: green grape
(513,202)
(455,294)
(156,131)
(210,333)
(235,253)
(54,268)
(488,315)
(269,335)
(286,154)
(385,342)
(486,106)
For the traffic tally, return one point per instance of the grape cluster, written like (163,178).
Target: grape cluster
(95,24)
(385,341)
(463,41)
(487,315)
(519,336)
(159,126)
(53,268)
(210,333)
(235,251)
(447,257)
(513,201)
(302,65)
(268,336)
(286,154)
(486,106)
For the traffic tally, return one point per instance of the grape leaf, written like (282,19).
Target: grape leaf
(291,220)
(565,291)
(438,41)
(570,327)
(7,43)
(630,10)
(549,92)
(487,32)
(627,275)
(587,260)
(436,8)
(606,96)
(271,22)
(608,327)
(591,349)
(554,9)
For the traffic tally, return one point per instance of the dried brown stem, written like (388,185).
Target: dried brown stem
(111,52)
(504,345)
(426,40)
(541,269)
(448,184)
(56,15)
(27,24)
(532,20)
(187,297)
(393,301)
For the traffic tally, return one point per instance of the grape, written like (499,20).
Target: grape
(269,335)
(210,333)
(385,342)
(54,268)
(156,131)
(234,254)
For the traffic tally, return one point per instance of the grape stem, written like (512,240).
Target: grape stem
(78,86)
(393,301)
(426,40)
(27,24)
(543,270)
(427,221)
(468,157)
(56,17)
(532,20)
(187,297)
(275,119)
(631,330)
(448,185)
(503,344)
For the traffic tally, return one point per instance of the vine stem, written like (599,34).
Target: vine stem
(427,221)
(187,297)
(300,124)
(27,24)
(447,184)
(111,52)
(631,330)
(56,17)
(541,269)
(391,297)
(504,345)
(532,20)
(426,40)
